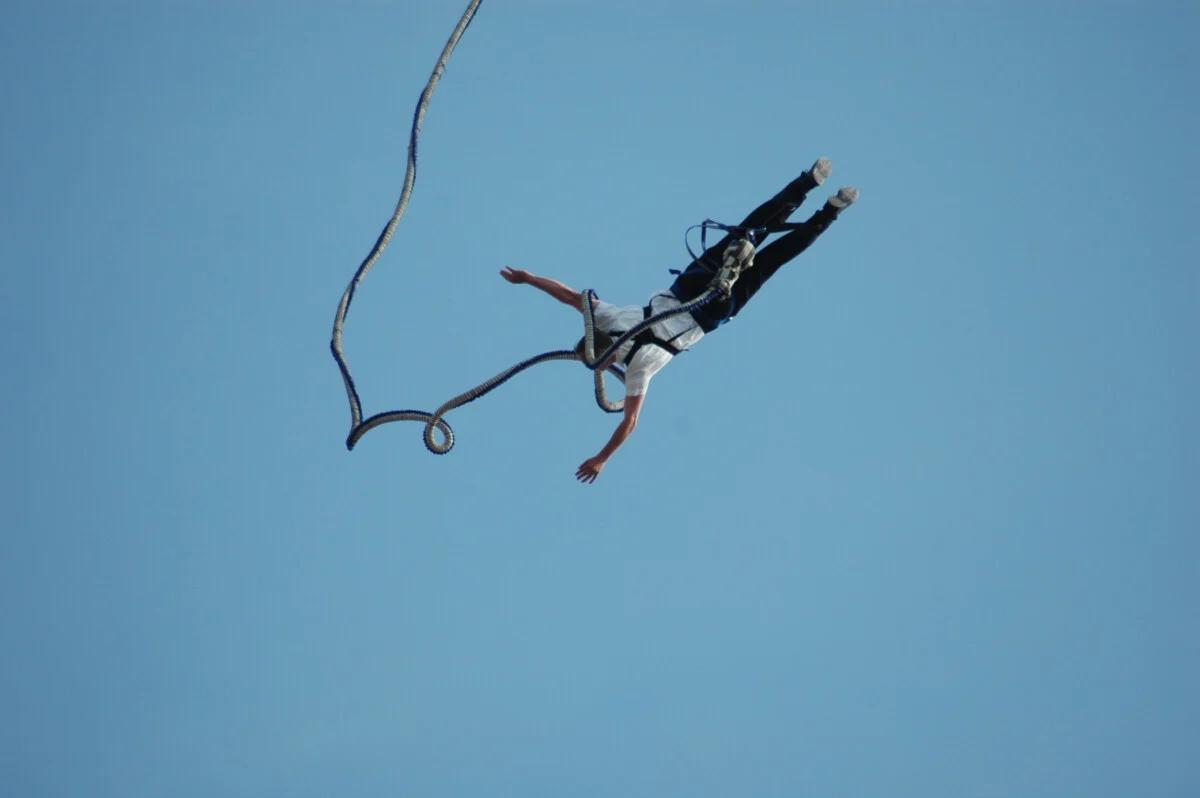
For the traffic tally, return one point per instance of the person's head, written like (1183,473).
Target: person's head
(601,342)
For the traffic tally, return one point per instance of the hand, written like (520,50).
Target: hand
(515,276)
(590,469)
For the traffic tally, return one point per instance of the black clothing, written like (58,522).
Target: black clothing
(693,281)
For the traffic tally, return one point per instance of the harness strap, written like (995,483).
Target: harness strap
(646,336)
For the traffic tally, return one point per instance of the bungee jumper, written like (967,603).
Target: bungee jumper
(713,288)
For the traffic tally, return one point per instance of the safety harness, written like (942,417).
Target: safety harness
(647,337)
(704,271)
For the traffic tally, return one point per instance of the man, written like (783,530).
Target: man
(645,355)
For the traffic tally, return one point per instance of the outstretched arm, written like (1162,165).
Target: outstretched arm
(592,467)
(560,291)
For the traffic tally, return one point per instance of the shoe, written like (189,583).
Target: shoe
(821,170)
(845,197)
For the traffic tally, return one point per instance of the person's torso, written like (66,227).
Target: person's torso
(678,332)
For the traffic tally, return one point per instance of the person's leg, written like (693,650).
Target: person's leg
(778,208)
(782,205)
(771,257)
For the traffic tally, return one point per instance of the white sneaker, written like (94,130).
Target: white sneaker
(821,170)
(845,197)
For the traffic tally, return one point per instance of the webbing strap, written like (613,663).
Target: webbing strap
(647,336)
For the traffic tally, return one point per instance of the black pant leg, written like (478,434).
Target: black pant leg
(773,256)
(777,209)
(774,211)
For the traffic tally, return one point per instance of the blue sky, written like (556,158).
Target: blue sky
(920,522)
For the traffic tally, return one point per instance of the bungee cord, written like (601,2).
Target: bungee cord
(410,177)
(597,363)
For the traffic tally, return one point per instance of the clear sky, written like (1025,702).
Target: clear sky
(920,522)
